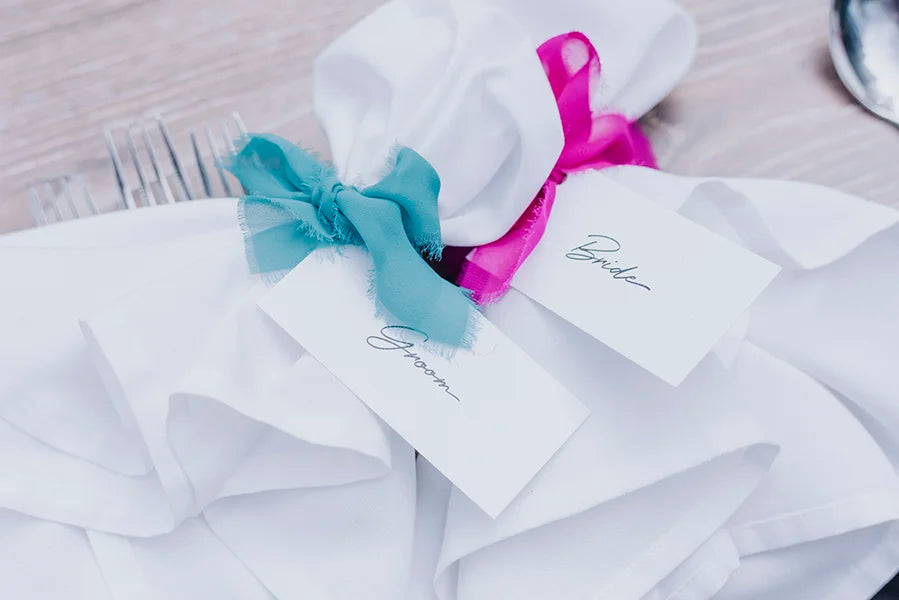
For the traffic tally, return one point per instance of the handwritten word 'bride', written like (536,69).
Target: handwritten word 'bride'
(593,251)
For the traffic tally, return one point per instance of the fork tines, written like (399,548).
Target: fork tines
(60,199)
(155,183)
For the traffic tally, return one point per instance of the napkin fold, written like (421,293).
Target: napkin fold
(459,82)
(168,347)
(42,559)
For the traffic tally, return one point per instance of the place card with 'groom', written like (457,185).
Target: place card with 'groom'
(488,418)
(642,279)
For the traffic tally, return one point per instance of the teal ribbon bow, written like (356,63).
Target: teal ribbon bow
(296,204)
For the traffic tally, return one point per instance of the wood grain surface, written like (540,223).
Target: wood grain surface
(762,99)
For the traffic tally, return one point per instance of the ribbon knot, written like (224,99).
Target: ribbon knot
(295,204)
(592,141)
(324,197)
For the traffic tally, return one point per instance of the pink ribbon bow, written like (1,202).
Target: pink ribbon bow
(592,141)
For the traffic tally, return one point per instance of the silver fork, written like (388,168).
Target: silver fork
(60,199)
(153,184)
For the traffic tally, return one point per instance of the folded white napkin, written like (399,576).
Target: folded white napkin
(459,81)
(831,313)
(160,438)
(444,77)
(227,417)
(210,397)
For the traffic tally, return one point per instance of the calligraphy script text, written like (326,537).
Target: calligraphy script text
(389,340)
(594,250)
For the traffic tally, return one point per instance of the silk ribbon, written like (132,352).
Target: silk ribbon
(592,141)
(296,204)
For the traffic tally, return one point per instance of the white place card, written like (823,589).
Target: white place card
(488,418)
(647,282)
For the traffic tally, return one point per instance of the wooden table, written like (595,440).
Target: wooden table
(762,99)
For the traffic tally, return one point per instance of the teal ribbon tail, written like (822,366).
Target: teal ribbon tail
(296,204)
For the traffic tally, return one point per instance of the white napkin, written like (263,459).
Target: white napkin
(222,401)
(831,313)
(459,81)
(342,542)
(227,418)
(831,480)
(454,75)
(185,447)
(645,46)
(42,559)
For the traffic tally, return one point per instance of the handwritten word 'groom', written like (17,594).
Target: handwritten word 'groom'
(388,341)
